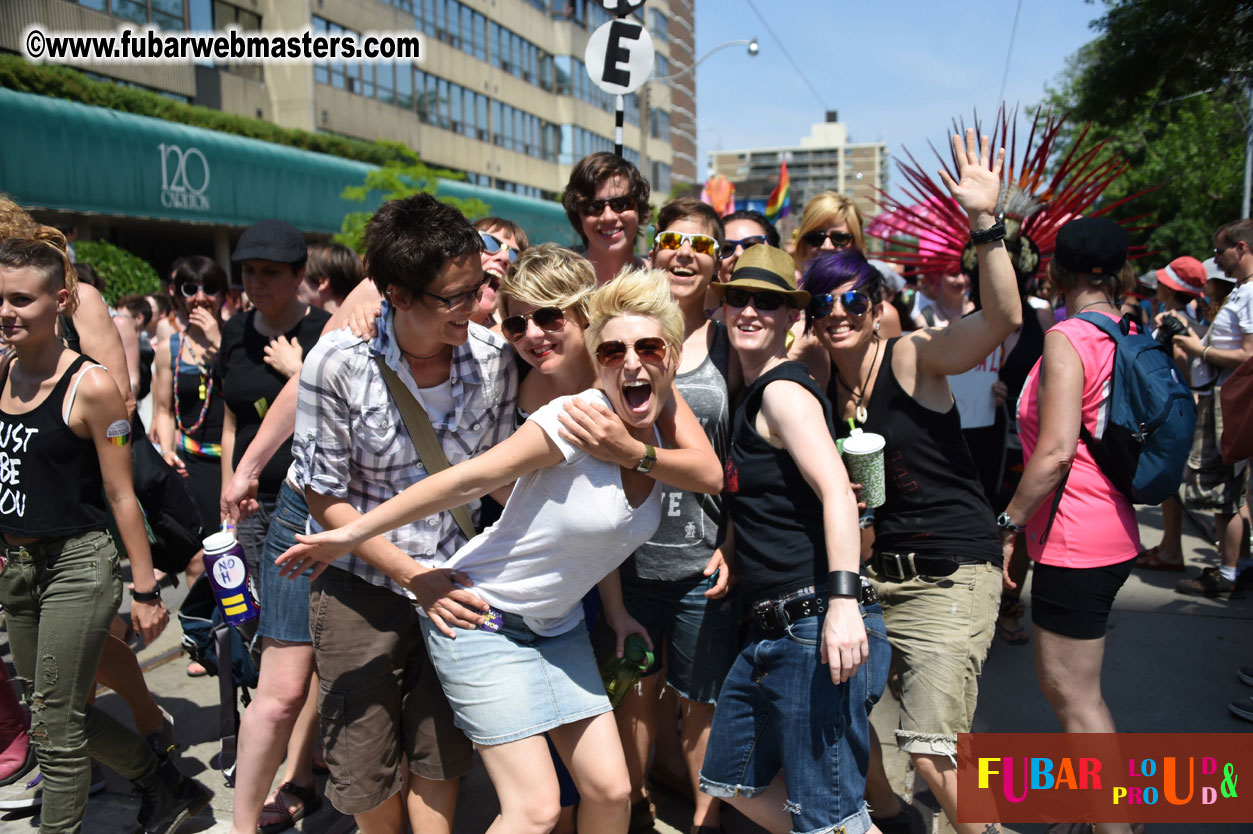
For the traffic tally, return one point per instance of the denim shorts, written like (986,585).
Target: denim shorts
(512,684)
(699,634)
(284,602)
(779,711)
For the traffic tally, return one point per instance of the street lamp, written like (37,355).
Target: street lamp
(645,95)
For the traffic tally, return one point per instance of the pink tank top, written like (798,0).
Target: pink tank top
(1095,524)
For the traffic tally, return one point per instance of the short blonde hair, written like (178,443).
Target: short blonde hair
(1116,285)
(829,207)
(548,275)
(636,292)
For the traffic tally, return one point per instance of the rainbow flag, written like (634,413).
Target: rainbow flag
(780,202)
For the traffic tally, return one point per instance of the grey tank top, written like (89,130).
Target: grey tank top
(692,525)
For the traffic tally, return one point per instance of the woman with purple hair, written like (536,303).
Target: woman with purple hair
(936,557)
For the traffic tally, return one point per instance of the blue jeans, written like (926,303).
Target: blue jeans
(779,711)
(700,635)
(284,602)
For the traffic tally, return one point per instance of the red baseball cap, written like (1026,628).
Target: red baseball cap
(1184,274)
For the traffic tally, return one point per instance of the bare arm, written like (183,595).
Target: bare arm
(130,348)
(968,341)
(1191,345)
(795,417)
(98,412)
(228,445)
(163,408)
(99,339)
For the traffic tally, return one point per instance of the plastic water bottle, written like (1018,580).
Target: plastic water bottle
(227,570)
(621,673)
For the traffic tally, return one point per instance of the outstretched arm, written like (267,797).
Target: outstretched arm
(99,339)
(968,341)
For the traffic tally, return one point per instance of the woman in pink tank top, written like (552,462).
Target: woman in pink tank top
(1084,551)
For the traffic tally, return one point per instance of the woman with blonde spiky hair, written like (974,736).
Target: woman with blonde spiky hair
(528,669)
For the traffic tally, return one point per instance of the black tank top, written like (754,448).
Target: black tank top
(779,538)
(50,484)
(1027,351)
(934,502)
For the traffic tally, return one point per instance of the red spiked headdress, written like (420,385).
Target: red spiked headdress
(1035,204)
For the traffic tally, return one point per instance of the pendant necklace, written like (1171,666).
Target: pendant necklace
(860,413)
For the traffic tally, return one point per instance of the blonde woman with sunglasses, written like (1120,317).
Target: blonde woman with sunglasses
(527,668)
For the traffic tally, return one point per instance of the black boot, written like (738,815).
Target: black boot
(168,799)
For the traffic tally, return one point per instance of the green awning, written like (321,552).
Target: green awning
(65,156)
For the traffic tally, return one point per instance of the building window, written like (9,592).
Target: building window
(224,15)
(657,26)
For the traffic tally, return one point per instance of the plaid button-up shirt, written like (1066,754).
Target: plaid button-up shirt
(350,441)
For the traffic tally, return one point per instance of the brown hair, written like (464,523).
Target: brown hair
(336,263)
(1233,233)
(408,242)
(1116,286)
(589,173)
(690,208)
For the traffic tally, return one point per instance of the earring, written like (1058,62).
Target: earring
(876,327)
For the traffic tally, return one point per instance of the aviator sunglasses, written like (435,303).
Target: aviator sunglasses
(854,302)
(595,208)
(494,244)
(729,246)
(764,300)
(701,244)
(548,319)
(839,240)
(613,354)
(190,288)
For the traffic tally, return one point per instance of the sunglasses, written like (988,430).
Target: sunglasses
(764,300)
(190,288)
(494,244)
(729,247)
(462,300)
(595,208)
(548,319)
(839,240)
(701,244)
(613,354)
(854,302)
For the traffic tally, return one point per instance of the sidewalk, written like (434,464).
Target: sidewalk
(1170,667)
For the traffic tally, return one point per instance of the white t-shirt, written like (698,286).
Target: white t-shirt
(1232,323)
(563,529)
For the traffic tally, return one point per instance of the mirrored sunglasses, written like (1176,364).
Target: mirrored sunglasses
(729,246)
(701,244)
(612,354)
(854,302)
(493,245)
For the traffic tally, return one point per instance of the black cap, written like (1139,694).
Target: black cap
(1092,245)
(271,240)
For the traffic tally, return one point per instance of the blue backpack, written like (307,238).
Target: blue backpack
(1149,420)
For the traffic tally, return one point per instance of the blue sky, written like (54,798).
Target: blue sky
(896,71)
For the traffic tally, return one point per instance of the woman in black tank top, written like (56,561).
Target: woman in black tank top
(936,521)
(65,435)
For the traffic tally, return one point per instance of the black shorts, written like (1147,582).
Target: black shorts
(1075,602)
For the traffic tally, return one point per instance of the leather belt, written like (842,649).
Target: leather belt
(773,616)
(898,567)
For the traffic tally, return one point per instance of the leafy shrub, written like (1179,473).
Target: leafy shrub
(123,272)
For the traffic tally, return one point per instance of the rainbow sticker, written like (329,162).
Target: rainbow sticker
(118,432)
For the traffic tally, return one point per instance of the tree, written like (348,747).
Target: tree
(1164,82)
(123,273)
(402,177)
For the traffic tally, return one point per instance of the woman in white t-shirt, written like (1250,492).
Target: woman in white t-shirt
(571,519)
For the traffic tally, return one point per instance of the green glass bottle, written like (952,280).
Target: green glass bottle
(621,673)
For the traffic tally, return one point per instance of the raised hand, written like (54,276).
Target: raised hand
(979,179)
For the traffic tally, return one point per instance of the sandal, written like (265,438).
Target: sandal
(1007,626)
(1151,560)
(310,802)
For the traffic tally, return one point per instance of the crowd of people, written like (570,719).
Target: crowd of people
(464,484)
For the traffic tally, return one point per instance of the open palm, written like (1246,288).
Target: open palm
(978,186)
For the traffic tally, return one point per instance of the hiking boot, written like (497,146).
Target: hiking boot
(1211,583)
(162,743)
(168,799)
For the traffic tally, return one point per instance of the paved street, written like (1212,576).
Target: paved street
(1170,667)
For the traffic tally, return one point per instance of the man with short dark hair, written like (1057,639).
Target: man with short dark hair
(380,701)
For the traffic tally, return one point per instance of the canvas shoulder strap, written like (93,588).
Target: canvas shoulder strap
(423,436)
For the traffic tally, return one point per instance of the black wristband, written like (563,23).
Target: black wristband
(844,583)
(147,596)
(991,234)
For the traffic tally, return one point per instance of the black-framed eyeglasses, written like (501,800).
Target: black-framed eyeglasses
(763,300)
(612,354)
(494,244)
(190,288)
(549,319)
(462,300)
(701,244)
(839,240)
(595,208)
(854,302)
(729,246)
